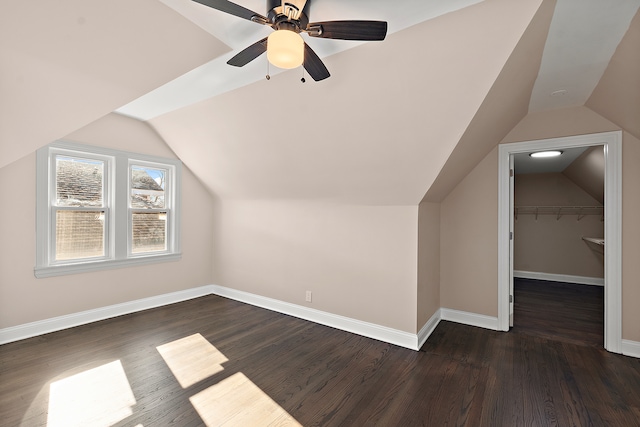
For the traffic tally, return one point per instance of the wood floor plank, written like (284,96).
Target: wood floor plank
(279,370)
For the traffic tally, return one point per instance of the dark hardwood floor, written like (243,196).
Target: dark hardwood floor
(561,311)
(214,361)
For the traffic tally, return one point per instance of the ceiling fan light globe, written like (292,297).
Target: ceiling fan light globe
(285,49)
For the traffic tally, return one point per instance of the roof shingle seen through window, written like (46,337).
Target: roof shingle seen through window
(146,192)
(141,180)
(79,182)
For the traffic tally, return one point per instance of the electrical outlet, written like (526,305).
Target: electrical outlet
(308,296)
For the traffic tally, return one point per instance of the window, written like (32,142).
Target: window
(78,207)
(99,208)
(148,209)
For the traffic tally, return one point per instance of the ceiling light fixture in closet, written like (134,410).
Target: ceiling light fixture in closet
(543,154)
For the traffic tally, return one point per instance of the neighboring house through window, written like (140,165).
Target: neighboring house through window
(99,208)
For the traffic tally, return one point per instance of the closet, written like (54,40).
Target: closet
(559,216)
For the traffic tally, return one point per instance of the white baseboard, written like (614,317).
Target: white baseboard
(567,278)
(471,319)
(46,326)
(428,328)
(631,348)
(370,330)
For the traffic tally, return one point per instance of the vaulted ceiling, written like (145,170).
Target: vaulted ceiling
(397,119)
(377,132)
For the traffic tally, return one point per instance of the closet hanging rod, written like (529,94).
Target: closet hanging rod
(559,211)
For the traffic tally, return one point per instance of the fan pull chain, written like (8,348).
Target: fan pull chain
(268,77)
(302,79)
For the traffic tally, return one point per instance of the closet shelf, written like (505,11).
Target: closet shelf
(559,211)
(596,240)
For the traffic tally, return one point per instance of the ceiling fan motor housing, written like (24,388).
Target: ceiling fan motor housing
(287,15)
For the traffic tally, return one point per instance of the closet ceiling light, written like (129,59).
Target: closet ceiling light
(551,153)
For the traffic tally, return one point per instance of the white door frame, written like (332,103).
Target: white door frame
(612,142)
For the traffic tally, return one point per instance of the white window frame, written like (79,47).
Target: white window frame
(169,208)
(118,215)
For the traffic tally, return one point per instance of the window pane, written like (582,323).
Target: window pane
(79,182)
(79,234)
(149,232)
(147,187)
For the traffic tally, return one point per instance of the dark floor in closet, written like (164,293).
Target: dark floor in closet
(559,311)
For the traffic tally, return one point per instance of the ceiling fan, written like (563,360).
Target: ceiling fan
(285,48)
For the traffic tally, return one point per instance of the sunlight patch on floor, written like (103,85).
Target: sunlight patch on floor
(236,401)
(97,397)
(192,359)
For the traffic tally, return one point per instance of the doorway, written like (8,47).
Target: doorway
(612,142)
(558,283)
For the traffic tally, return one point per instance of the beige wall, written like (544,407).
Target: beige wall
(587,171)
(24,299)
(428,261)
(469,241)
(630,237)
(358,261)
(558,123)
(549,189)
(548,244)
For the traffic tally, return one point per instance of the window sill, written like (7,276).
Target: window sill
(87,267)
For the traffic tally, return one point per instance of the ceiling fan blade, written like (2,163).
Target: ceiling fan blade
(314,65)
(234,9)
(348,30)
(249,54)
